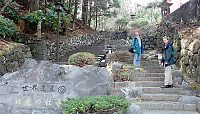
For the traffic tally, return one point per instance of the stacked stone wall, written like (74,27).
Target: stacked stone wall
(149,42)
(187,13)
(114,35)
(13,59)
(46,50)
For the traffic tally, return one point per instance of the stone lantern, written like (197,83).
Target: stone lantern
(133,17)
(58,8)
(165,10)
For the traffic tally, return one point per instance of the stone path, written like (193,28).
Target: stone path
(145,87)
(96,49)
(156,100)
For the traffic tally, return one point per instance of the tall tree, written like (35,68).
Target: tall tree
(84,11)
(75,13)
(90,12)
(69,5)
(152,6)
(34,6)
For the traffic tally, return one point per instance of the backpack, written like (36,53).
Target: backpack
(173,51)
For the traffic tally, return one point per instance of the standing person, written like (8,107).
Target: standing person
(137,46)
(167,60)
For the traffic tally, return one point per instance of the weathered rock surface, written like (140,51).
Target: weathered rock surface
(14,59)
(40,87)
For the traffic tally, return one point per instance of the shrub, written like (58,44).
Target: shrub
(81,59)
(120,56)
(7,27)
(142,23)
(121,75)
(94,104)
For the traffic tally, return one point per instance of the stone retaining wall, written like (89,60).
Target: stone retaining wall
(114,35)
(187,48)
(149,42)
(14,59)
(46,50)
(187,13)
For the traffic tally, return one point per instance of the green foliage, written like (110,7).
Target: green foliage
(35,16)
(151,13)
(141,23)
(48,16)
(81,59)
(13,9)
(114,13)
(94,104)
(116,4)
(121,75)
(142,13)
(153,5)
(8,47)
(122,21)
(7,27)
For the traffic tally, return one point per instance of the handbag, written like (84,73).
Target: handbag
(131,50)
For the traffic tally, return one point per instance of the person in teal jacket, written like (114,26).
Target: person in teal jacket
(137,46)
(167,60)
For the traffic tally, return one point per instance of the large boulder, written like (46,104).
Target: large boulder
(133,109)
(116,66)
(40,87)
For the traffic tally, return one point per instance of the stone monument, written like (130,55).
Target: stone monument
(39,88)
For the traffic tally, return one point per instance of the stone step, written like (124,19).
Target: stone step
(149,63)
(158,90)
(168,112)
(160,97)
(147,74)
(154,70)
(149,83)
(152,105)
(147,78)
(152,67)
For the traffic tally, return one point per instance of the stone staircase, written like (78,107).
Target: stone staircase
(156,100)
(145,86)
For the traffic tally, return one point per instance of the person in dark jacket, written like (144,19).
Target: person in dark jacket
(167,60)
(137,46)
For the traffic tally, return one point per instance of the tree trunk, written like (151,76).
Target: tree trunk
(34,5)
(103,23)
(84,11)
(69,5)
(39,29)
(99,27)
(155,17)
(197,14)
(151,15)
(45,3)
(90,14)
(96,18)
(1,3)
(75,14)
